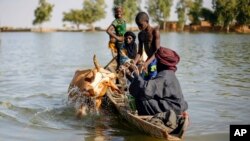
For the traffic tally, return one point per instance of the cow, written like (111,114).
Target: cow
(88,87)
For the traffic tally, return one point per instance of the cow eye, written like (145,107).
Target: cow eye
(88,79)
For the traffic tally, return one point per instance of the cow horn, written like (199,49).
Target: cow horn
(96,63)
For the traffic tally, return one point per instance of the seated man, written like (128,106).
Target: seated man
(161,94)
(128,50)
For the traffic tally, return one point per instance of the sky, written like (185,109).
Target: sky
(20,13)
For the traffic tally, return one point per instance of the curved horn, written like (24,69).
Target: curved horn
(96,63)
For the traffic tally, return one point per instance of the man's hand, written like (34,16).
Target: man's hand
(120,38)
(145,67)
(133,68)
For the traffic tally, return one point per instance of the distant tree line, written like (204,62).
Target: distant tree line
(224,12)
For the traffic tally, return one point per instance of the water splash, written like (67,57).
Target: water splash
(79,99)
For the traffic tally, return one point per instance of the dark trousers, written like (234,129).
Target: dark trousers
(118,46)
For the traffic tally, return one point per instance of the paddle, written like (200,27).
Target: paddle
(110,62)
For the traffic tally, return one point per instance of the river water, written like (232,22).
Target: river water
(36,69)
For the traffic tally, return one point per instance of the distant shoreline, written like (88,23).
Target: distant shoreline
(189,29)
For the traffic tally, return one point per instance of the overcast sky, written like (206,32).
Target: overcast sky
(20,13)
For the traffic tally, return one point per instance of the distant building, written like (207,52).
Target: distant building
(242,28)
(203,26)
(171,26)
(42,29)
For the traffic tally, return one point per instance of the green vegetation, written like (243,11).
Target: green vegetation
(43,12)
(225,13)
(190,8)
(208,15)
(195,11)
(75,16)
(181,10)
(92,11)
(243,12)
(231,12)
(159,10)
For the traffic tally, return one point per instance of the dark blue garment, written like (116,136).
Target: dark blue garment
(161,94)
(118,46)
(152,71)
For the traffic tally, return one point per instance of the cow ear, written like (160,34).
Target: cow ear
(91,92)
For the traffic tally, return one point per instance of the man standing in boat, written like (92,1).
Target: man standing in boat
(116,31)
(149,41)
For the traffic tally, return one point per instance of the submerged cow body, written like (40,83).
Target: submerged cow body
(89,86)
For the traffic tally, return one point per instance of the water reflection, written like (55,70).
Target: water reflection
(36,69)
(235,58)
(97,135)
(214,74)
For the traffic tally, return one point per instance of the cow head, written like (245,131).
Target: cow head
(91,83)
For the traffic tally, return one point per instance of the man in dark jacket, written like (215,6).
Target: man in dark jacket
(163,93)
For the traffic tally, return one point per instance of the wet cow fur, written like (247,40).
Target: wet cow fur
(88,87)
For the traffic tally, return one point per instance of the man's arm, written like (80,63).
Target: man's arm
(142,89)
(110,30)
(139,53)
(156,34)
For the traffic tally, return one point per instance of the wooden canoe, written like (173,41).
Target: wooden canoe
(121,104)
